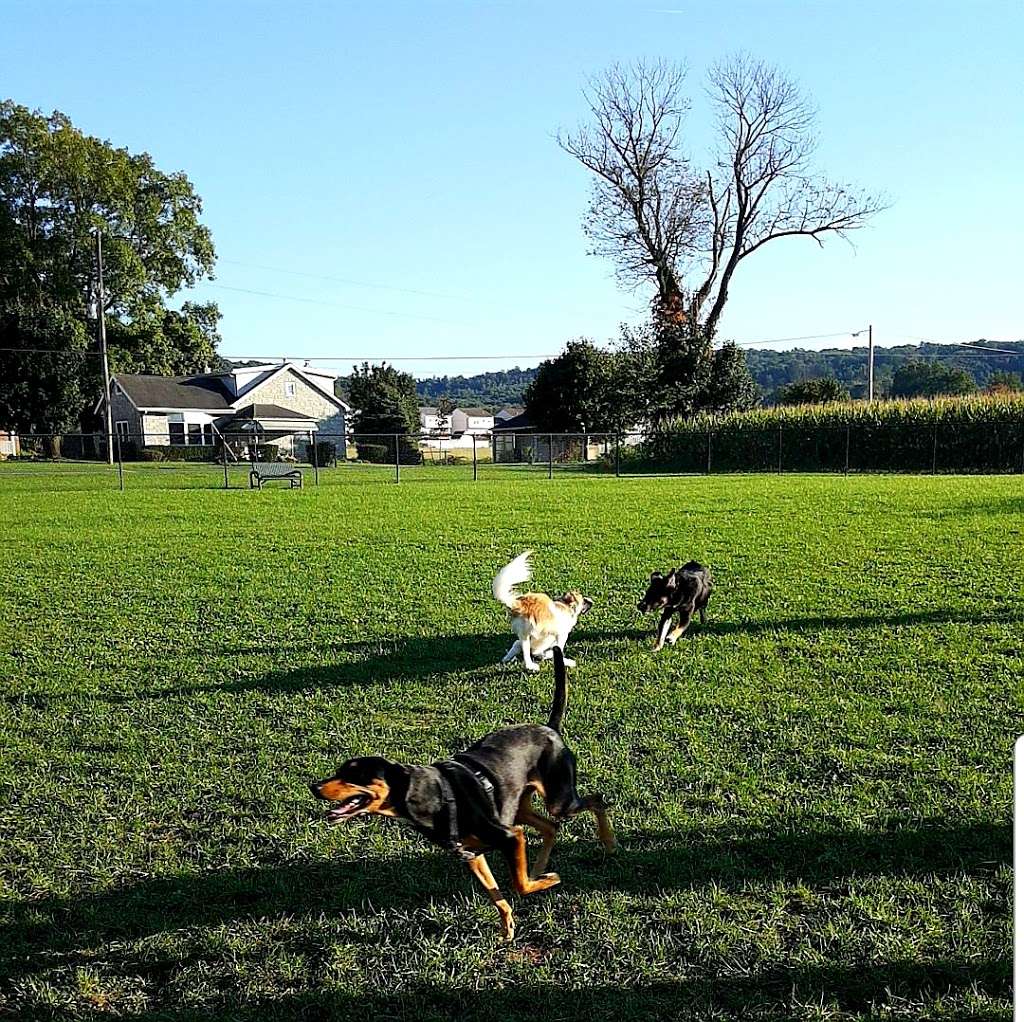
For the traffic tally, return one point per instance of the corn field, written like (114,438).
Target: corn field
(981,434)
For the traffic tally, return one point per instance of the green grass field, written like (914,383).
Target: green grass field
(812,793)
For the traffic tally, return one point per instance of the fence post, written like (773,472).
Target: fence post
(398,468)
(120,464)
(316,467)
(473,435)
(550,456)
(708,472)
(935,446)
(618,446)
(224,457)
(846,466)
(780,447)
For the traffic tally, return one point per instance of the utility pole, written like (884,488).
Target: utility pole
(871,363)
(102,323)
(871,360)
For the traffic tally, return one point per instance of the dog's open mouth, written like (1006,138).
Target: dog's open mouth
(352,805)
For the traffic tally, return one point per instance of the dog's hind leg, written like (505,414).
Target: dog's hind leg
(513,652)
(563,801)
(482,872)
(703,616)
(548,830)
(515,855)
(597,805)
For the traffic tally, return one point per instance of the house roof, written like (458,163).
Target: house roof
(258,411)
(205,391)
(427,410)
(213,391)
(476,412)
(510,411)
(517,422)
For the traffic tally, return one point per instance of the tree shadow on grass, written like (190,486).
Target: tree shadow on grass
(774,992)
(32,931)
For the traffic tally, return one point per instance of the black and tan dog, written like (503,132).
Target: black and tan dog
(480,799)
(685,592)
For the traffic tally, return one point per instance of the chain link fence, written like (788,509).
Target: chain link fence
(209,459)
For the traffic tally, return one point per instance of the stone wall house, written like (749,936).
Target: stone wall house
(280,403)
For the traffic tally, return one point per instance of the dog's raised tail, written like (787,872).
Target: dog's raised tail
(514,573)
(561,691)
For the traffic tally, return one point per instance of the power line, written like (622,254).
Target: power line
(382,358)
(338,305)
(787,340)
(967,344)
(345,280)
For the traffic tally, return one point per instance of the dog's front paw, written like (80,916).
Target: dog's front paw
(532,668)
(568,662)
(546,880)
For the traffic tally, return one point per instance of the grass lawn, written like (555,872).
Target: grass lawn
(812,793)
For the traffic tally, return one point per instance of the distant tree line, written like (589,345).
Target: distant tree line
(621,376)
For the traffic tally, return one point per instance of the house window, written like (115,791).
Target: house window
(176,431)
(195,434)
(289,388)
(121,427)
(208,434)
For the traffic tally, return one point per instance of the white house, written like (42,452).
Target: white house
(433,423)
(507,413)
(277,401)
(472,420)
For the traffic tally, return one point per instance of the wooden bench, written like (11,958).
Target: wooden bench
(268,471)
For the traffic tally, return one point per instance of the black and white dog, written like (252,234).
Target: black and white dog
(685,591)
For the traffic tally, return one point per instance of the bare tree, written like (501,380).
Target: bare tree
(662,222)
(647,206)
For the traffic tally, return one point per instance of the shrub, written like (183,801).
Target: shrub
(165,452)
(384,453)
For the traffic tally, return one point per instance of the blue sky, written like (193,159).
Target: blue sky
(411,146)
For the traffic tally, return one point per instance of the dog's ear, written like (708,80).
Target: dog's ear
(670,582)
(655,574)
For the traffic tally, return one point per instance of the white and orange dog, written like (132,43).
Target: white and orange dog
(539,622)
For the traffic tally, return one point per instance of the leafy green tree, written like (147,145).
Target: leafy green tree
(575,391)
(819,390)
(445,407)
(385,402)
(1003,382)
(693,376)
(930,379)
(730,386)
(58,186)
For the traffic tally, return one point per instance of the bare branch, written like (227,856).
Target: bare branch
(662,222)
(647,206)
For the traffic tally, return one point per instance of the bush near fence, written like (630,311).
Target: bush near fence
(978,434)
(161,453)
(382,452)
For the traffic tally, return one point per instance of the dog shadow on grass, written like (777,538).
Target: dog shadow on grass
(379,661)
(37,932)
(354,664)
(814,623)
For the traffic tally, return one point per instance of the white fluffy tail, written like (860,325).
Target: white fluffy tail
(514,573)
